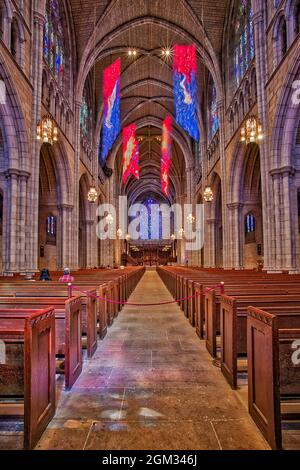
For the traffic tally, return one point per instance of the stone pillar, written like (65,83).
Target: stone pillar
(91,255)
(10,222)
(235,237)
(75,260)
(288,232)
(259,22)
(65,236)
(277,235)
(31,252)
(211,248)
(224,186)
(23,182)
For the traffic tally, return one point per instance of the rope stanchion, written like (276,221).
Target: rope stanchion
(156,304)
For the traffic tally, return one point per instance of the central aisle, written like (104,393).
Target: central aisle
(151,385)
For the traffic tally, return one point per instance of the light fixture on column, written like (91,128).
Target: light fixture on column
(251,131)
(190,219)
(173,237)
(92,195)
(127,237)
(109,219)
(119,233)
(181,232)
(46,131)
(208,194)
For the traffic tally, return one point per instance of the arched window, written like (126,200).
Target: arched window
(282,39)
(54,49)
(14,39)
(250,227)
(1,20)
(51,230)
(297,18)
(244,49)
(85,116)
(213,112)
(151,226)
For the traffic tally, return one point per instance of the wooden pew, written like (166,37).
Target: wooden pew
(272,375)
(90,305)
(234,326)
(68,325)
(33,378)
(213,301)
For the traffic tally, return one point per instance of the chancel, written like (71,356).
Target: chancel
(149,225)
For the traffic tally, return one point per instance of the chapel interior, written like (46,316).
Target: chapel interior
(151,341)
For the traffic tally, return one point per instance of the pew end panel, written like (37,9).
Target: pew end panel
(73,335)
(39,376)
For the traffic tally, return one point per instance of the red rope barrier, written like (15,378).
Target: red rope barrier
(221,286)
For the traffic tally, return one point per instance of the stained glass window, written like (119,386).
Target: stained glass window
(244,49)
(51,230)
(151,226)
(54,53)
(213,113)
(250,223)
(85,116)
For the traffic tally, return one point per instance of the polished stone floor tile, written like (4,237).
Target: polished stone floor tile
(151,385)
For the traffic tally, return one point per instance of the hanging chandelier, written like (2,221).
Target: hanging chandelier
(208,194)
(46,131)
(251,131)
(92,194)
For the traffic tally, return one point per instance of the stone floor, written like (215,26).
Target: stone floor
(150,385)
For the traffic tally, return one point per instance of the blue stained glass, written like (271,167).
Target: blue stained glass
(214,118)
(53,39)
(250,223)
(244,40)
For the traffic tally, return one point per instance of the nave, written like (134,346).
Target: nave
(151,385)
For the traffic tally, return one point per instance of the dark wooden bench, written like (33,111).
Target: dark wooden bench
(29,369)
(68,325)
(273,377)
(234,326)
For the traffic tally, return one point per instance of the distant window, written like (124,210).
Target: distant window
(14,39)
(297,18)
(54,49)
(282,39)
(213,113)
(244,49)
(85,116)
(250,227)
(51,230)
(1,20)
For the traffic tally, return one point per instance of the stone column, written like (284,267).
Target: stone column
(31,252)
(90,253)
(224,186)
(23,182)
(75,260)
(288,232)
(211,249)
(10,222)
(235,236)
(259,22)
(65,235)
(277,235)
